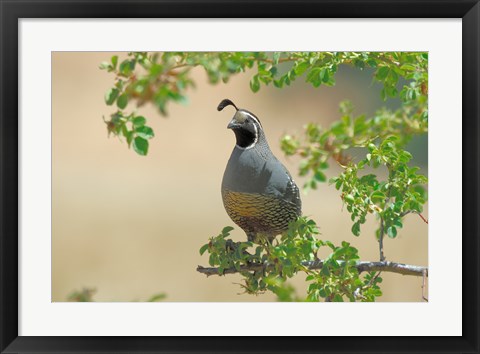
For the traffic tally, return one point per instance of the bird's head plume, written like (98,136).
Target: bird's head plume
(226,102)
(245,125)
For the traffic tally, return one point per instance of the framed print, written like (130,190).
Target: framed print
(133,220)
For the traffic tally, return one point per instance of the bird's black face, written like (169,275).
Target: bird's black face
(245,125)
(246,128)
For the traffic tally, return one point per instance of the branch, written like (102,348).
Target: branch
(380,239)
(414,212)
(424,282)
(362,266)
(392,267)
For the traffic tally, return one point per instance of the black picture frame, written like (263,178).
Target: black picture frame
(11,11)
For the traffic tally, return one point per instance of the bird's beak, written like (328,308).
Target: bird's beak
(233,124)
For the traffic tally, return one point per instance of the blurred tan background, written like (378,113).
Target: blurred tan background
(131,226)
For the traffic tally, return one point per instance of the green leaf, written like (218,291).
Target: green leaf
(313,77)
(356,228)
(372,63)
(144,132)
(383,94)
(114,60)
(255,83)
(212,259)
(398,223)
(111,96)
(405,156)
(320,176)
(412,94)
(129,136)
(337,298)
(338,184)
(333,180)
(392,77)
(127,67)
(392,232)
(104,65)
(301,68)
(324,75)
(330,244)
(278,83)
(276,57)
(203,249)
(391,91)
(325,271)
(157,297)
(122,101)
(226,230)
(140,145)
(409,67)
(378,196)
(139,121)
(359,64)
(382,73)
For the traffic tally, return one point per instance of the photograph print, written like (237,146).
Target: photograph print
(239,176)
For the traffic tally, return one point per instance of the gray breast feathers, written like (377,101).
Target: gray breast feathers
(247,172)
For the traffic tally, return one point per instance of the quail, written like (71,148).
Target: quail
(258,192)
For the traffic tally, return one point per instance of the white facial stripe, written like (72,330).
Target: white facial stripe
(256,138)
(253,117)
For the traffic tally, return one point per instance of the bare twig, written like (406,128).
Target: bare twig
(421,216)
(380,240)
(362,266)
(424,283)
(415,212)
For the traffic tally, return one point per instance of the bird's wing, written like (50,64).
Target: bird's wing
(282,185)
(292,193)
